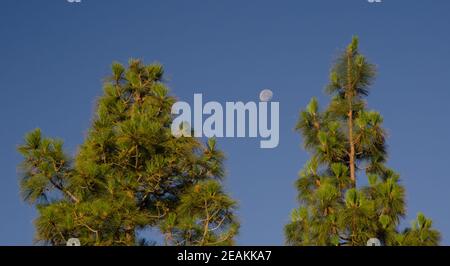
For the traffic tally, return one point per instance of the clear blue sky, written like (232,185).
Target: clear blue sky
(54,55)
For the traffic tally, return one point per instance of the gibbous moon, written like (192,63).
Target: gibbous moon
(265,95)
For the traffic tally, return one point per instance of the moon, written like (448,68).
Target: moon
(265,95)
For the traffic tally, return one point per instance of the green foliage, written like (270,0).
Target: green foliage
(421,233)
(129,174)
(347,143)
(204,217)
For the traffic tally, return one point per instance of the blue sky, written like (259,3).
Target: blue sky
(54,55)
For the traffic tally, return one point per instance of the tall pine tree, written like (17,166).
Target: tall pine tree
(347,143)
(130,174)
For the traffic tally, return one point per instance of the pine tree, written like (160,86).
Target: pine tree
(347,143)
(130,173)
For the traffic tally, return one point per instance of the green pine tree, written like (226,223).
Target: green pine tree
(347,143)
(130,173)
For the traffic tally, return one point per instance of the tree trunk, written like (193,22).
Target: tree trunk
(349,95)
(352,148)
